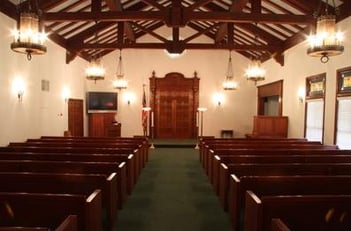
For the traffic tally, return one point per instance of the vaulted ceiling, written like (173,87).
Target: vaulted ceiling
(259,29)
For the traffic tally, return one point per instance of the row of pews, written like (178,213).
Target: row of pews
(68,183)
(280,184)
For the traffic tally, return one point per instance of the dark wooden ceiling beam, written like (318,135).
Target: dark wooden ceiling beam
(154,4)
(96,7)
(115,5)
(205,46)
(256,6)
(50,4)
(151,32)
(201,32)
(9,9)
(237,6)
(249,18)
(188,16)
(198,4)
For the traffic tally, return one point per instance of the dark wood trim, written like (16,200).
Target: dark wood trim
(270,89)
(338,94)
(318,77)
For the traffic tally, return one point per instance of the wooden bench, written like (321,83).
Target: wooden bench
(344,156)
(138,140)
(71,167)
(121,144)
(66,183)
(80,150)
(211,144)
(276,169)
(269,146)
(49,210)
(214,161)
(130,170)
(68,224)
(302,213)
(278,225)
(280,185)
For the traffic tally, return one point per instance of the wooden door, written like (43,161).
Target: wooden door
(75,117)
(174,101)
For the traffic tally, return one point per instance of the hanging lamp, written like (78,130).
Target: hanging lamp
(28,37)
(95,71)
(327,41)
(255,72)
(229,82)
(120,83)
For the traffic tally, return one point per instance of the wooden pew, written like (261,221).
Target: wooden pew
(48,210)
(141,147)
(69,224)
(138,140)
(276,169)
(344,156)
(71,167)
(268,146)
(278,225)
(80,150)
(66,183)
(302,213)
(280,185)
(130,169)
(222,153)
(211,144)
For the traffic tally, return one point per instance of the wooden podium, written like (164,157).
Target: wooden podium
(269,127)
(104,124)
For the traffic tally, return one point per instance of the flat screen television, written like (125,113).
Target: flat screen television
(101,102)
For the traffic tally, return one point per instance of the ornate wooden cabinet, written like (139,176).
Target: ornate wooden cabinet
(174,101)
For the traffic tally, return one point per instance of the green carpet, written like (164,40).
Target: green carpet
(173,193)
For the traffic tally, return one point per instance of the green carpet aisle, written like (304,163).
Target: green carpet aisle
(173,193)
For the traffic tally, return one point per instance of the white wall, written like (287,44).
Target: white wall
(235,113)
(298,66)
(39,113)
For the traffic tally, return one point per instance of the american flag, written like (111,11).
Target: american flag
(144,112)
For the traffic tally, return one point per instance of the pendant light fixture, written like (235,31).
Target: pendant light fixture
(95,71)
(29,37)
(327,41)
(229,82)
(255,72)
(120,83)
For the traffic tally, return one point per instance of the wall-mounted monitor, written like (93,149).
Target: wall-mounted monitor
(101,102)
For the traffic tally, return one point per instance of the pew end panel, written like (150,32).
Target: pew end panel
(303,213)
(278,225)
(49,210)
(223,185)
(253,212)
(69,224)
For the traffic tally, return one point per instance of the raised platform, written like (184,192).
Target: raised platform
(174,143)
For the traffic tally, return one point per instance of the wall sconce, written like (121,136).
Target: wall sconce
(18,87)
(128,97)
(218,98)
(301,94)
(66,93)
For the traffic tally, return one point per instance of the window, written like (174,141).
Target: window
(343,125)
(314,117)
(343,109)
(314,120)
